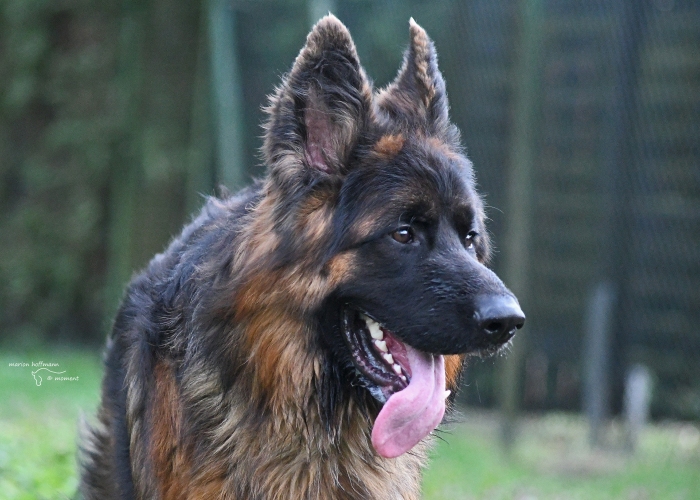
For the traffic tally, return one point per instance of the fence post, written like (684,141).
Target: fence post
(227,107)
(526,78)
(638,389)
(596,358)
(617,175)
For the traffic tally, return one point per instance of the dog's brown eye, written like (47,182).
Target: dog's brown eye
(469,240)
(403,235)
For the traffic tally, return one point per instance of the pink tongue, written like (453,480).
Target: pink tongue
(409,415)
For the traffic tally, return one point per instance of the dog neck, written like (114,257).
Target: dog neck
(286,451)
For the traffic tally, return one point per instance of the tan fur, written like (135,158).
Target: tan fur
(389,145)
(260,231)
(340,266)
(288,454)
(284,460)
(316,223)
(421,46)
(170,461)
(453,366)
(440,146)
(364,227)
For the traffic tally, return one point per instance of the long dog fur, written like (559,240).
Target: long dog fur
(219,382)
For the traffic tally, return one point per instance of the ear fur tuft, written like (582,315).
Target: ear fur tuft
(417,97)
(423,55)
(319,110)
(329,33)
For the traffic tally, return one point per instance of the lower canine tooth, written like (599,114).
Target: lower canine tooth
(397,368)
(447,393)
(388,358)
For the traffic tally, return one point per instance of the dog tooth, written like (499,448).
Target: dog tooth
(381,345)
(388,358)
(397,368)
(374,330)
(403,377)
(447,394)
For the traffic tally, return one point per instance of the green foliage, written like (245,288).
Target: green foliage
(56,119)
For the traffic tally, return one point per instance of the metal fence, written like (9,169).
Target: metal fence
(614,222)
(600,99)
(615,187)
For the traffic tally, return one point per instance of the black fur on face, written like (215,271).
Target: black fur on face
(422,250)
(416,224)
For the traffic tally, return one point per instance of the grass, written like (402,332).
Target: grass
(552,460)
(38,426)
(38,423)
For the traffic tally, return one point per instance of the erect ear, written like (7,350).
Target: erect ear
(317,114)
(417,97)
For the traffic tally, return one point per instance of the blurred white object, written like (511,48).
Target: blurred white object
(636,403)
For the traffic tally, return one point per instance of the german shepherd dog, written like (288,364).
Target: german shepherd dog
(300,339)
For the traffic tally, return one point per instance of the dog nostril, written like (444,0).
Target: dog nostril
(493,327)
(503,329)
(498,317)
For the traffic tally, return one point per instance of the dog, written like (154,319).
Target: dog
(302,338)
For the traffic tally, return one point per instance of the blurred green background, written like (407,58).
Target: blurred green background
(582,118)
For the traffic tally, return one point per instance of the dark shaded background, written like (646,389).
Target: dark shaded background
(108,138)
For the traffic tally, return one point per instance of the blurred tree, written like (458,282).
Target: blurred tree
(95,107)
(151,156)
(108,138)
(56,123)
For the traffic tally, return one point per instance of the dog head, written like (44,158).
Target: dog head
(376,196)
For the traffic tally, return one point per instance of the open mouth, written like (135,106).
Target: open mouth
(409,382)
(378,354)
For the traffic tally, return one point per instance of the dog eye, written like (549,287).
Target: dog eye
(469,240)
(403,235)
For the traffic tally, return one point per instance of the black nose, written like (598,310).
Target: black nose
(498,317)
